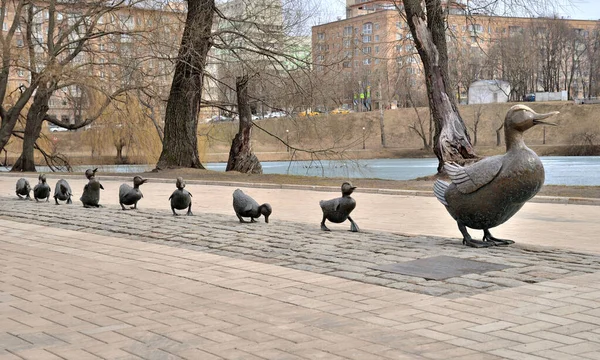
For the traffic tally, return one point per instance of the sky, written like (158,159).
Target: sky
(574,9)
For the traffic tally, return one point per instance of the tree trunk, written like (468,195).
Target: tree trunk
(241,157)
(33,128)
(180,143)
(451,139)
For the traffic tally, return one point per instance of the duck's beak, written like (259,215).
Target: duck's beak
(267,219)
(144,181)
(537,119)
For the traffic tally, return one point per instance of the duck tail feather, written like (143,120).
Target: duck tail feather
(439,189)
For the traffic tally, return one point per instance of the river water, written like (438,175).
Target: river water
(560,170)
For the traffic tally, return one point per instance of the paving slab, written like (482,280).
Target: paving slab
(149,300)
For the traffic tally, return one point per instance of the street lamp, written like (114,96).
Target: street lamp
(287,139)
(363,137)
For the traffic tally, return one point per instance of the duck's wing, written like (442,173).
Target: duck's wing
(330,205)
(242,203)
(124,192)
(470,178)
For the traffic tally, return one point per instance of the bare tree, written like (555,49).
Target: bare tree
(180,142)
(241,157)
(427,26)
(61,60)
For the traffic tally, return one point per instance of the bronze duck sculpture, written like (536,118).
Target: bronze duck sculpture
(181,198)
(91,191)
(338,210)
(42,190)
(62,191)
(131,195)
(489,192)
(23,188)
(245,206)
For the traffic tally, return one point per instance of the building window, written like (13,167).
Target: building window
(476,28)
(347,43)
(376,61)
(347,64)
(368,28)
(376,38)
(514,30)
(367,50)
(398,48)
(367,61)
(348,31)
(20,42)
(366,39)
(376,49)
(4,26)
(320,58)
(320,36)
(355,63)
(20,73)
(376,26)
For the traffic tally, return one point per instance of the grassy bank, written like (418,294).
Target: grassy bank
(344,136)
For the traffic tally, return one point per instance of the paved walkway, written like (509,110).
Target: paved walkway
(107,284)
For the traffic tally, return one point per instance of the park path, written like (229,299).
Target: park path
(104,283)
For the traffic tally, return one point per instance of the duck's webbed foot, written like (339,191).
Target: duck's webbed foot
(353,226)
(189,212)
(487,237)
(468,240)
(173,210)
(252,220)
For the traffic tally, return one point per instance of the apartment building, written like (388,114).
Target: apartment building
(129,45)
(372,49)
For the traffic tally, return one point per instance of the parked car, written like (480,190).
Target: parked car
(529,97)
(220,118)
(309,113)
(275,114)
(56,128)
(340,111)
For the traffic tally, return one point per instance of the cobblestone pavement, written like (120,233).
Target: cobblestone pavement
(74,295)
(343,254)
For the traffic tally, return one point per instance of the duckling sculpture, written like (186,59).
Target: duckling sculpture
(42,189)
(181,198)
(62,191)
(91,190)
(23,189)
(89,173)
(489,192)
(245,206)
(338,210)
(131,195)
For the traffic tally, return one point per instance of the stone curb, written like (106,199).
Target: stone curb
(536,199)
